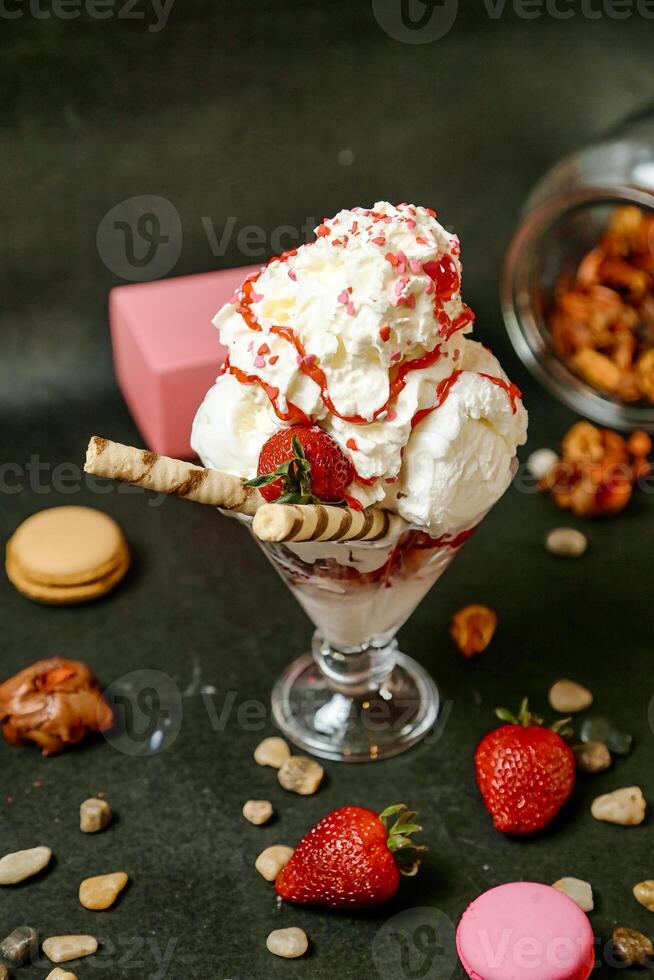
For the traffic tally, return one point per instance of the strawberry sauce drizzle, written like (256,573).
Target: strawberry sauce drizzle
(444,388)
(444,274)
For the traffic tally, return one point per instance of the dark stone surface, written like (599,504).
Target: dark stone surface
(241,109)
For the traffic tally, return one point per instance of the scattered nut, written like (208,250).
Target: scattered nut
(579,891)
(644,893)
(59,974)
(472,628)
(289,943)
(271,861)
(21,945)
(632,947)
(566,542)
(94,815)
(20,865)
(541,462)
(102,891)
(592,756)
(568,697)
(60,949)
(301,775)
(597,471)
(624,806)
(272,752)
(258,812)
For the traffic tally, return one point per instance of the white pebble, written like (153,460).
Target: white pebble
(94,815)
(59,974)
(624,806)
(644,893)
(60,949)
(541,462)
(258,812)
(271,861)
(579,891)
(20,865)
(568,697)
(592,756)
(272,752)
(289,943)
(566,542)
(300,774)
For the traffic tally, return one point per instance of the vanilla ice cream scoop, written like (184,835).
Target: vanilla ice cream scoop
(363,332)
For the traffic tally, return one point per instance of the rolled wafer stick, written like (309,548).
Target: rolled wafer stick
(319,522)
(173,476)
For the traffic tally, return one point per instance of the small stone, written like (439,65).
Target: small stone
(592,756)
(102,891)
(60,949)
(271,861)
(632,947)
(624,806)
(568,697)
(540,462)
(601,730)
(566,542)
(289,943)
(59,974)
(258,812)
(23,864)
(94,815)
(21,945)
(301,775)
(579,891)
(4,973)
(272,752)
(644,893)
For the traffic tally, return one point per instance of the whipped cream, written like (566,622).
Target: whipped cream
(364,333)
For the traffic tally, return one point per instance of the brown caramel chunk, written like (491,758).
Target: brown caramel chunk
(54,703)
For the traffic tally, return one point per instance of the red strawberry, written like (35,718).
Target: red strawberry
(302,464)
(525,773)
(350,859)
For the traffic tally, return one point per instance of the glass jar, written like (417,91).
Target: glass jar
(561,222)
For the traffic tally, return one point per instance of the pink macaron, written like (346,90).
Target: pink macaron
(525,931)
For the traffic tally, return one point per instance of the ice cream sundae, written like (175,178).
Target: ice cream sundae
(362,435)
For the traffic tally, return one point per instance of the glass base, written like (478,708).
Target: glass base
(326,719)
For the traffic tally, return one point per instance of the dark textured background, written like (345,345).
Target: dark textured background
(241,109)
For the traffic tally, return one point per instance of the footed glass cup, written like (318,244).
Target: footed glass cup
(355,696)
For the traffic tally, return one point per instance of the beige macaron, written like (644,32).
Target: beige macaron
(67,555)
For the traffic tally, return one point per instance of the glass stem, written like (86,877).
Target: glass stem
(354,671)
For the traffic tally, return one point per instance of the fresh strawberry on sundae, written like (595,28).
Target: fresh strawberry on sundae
(302,464)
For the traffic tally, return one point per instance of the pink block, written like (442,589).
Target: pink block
(167,353)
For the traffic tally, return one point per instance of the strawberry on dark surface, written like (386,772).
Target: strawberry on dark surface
(303,464)
(351,859)
(525,773)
